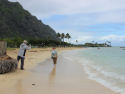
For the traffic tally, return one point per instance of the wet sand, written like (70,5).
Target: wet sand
(33,56)
(67,78)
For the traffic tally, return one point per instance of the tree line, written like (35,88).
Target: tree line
(62,36)
(38,42)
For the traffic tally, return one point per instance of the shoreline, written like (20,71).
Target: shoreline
(89,84)
(33,57)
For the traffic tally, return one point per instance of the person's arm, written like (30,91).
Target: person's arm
(27,47)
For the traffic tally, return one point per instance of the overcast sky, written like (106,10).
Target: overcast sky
(85,20)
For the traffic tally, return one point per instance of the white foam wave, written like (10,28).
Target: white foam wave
(107,73)
(104,77)
(68,58)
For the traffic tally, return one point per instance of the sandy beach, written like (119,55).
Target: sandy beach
(39,76)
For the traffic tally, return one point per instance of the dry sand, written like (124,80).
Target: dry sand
(67,78)
(33,57)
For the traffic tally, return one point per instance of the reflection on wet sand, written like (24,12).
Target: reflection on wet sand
(52,75)
(19,89)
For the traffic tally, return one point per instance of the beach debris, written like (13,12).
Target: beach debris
(33,84)
(7,64)
(32,51)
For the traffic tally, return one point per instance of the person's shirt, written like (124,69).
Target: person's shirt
(22,50)
(54,53)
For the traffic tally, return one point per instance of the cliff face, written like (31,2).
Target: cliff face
(17,22)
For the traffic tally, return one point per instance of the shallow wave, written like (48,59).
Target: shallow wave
(68,58)
(106,70)
(104,76)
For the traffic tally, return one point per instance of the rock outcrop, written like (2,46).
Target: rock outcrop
(18,22)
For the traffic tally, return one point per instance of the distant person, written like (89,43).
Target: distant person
(42,45)
(21,53)
(54,56)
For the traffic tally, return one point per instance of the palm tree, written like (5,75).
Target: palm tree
(69,36)
(66,36)
(62,37)
(77,42)
(109,42)
(59,36)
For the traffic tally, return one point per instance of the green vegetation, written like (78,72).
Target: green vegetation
(62,36)
(47,42)
(8,48)
(97,45)
(77,41)
(17,24)
(15,43)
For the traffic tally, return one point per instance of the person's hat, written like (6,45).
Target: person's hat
(25,41)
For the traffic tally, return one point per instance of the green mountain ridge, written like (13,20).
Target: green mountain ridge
(18,22)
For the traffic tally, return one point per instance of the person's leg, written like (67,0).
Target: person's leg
(55,59)
(22,62)
(18,58)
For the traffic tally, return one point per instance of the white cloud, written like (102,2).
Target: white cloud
(80,14)
(84,39)
(68,7)
(113,38)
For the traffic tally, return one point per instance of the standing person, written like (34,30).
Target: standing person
(21,53)
(42,45)
(54,56)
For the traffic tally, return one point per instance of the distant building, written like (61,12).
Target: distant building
(105,45)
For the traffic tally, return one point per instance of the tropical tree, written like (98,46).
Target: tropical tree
(69,36)
(9,41)
(18,41)
(66,36)
(77,42)
(109,42)
(62,37)
(59,36)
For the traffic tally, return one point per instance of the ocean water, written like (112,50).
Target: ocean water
(105,65)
